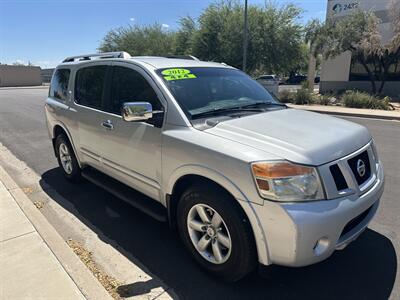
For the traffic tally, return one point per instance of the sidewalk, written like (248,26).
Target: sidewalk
(356,112)
(35,262)
(28,268)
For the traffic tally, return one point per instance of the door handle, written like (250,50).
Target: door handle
(107,125)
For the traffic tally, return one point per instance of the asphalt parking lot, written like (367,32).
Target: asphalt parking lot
(366,269)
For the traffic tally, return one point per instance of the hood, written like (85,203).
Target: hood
(296,135)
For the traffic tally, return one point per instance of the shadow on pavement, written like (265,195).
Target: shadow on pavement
(366,269)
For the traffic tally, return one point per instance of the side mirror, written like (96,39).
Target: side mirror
(136,111)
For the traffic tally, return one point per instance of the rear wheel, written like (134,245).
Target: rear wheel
(216,232)
(66,159)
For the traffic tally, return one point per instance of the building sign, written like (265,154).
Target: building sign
(338,7)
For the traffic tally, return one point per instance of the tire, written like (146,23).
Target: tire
(231,263)
(65,151)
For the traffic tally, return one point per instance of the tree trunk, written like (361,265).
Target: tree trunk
(312,63)
(384,78)
(371,76)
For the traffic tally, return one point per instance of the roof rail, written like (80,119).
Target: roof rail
(120,54)
(190,57)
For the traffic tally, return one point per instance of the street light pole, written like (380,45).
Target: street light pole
(245,37)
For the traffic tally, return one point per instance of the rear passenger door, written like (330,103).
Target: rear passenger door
(133,149)
(90,90)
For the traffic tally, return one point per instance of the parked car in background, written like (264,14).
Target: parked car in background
(295,80)
(270,82)
(268,78)
(243,178)
(299,79)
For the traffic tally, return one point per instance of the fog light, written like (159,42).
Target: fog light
(321,246)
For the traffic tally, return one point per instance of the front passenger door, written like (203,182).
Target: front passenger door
(133,149)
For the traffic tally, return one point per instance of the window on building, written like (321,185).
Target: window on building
(358,72)
(89,86)
(59,84)
(130,86)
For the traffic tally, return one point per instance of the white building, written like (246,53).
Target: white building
(341,72)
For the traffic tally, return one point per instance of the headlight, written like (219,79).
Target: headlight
(284,181)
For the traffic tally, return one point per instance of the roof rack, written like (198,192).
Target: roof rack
(120,54)
(190,57)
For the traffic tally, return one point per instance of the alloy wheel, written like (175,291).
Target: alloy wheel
(209,233)
(65,158)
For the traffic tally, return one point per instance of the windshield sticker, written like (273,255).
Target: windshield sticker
(177,74)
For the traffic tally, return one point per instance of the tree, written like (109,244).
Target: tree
(139,40)
(184,36)
(315,38)
(359,33)
(275,42)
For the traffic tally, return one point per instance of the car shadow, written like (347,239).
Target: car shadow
(366,269)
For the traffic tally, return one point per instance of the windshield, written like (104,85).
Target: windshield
(201,90)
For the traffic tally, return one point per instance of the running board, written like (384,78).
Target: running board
(145,204)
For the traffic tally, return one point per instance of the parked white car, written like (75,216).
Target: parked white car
(270,82)
(243,178)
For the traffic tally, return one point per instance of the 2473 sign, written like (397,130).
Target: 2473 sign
(338,8)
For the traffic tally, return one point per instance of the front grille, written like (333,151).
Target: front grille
(355,222)
(338,177)
(360,167)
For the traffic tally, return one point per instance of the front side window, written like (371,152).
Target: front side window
(89,86)
(59,84)
(130,86)
(201,90)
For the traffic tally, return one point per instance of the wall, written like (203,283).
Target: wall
(19,76)
(335,72)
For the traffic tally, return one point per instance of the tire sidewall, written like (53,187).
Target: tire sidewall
(75,174)
(238,262)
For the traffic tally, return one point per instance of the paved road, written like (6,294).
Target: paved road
(365,270)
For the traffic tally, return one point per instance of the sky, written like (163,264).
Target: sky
(44,32)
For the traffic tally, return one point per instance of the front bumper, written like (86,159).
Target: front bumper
(300,234)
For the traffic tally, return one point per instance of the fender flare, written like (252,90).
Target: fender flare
(58,123)
(233,189)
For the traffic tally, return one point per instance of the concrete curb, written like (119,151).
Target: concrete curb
(349,114)
(25,87)
(85,281)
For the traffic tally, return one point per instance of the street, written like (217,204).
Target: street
(366,269)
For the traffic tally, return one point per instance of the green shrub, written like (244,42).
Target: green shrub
(304,84)
(323,99)
(286,96)
(357,99)
(303,96)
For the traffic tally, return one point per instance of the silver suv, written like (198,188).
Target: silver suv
(243,178)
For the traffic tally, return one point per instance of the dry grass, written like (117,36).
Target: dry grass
(109,283)
(27,190)
(38,204)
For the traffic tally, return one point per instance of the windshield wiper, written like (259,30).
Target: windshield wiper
(264,103)
(221,110)
(247,107)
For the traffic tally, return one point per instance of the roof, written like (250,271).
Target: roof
(162,62)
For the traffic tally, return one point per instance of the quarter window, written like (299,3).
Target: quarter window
(59,84)
(130,86)
(89,86)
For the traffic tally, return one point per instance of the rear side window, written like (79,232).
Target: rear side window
(89,86)
(130,86)
(59,84)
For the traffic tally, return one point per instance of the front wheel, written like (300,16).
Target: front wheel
(216,232)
